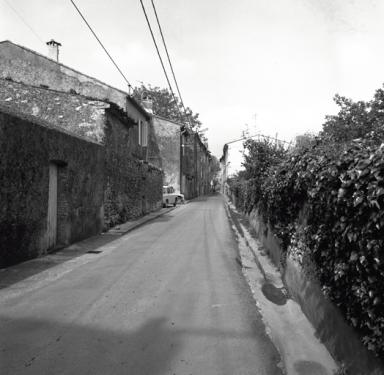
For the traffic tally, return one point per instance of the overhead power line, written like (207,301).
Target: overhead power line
(166,50)
(101,44)
(24,21)
(160,58)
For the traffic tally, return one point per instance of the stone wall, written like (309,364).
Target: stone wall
(133,187)
(27,146)
(188,179)
(73,113)
(203,167)
(27,66)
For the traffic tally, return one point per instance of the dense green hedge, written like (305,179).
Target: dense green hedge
(326,204)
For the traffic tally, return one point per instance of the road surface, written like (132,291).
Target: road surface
(167,298)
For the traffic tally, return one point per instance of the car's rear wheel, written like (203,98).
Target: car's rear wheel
(174,205)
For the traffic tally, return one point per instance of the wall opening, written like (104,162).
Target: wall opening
(58,229)
(52,206)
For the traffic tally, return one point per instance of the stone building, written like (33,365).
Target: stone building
(188,164)
(164,149)
(24,65)
(181,154)
(21,64)
(51,190)
(109,185)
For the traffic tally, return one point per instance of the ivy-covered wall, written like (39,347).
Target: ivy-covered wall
(325,203)
(26,149)
(133,187)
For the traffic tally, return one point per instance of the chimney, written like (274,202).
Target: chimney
(147,102)
(53,50)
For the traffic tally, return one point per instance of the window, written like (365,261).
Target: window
(143,133)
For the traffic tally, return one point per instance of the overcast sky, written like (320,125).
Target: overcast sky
(272,64)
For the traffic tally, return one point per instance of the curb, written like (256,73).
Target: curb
(259,263)
(124,228)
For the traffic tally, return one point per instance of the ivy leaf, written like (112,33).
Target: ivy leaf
(357,201)
(374,202)
(354,256)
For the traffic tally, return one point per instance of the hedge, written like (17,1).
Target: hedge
(326,204)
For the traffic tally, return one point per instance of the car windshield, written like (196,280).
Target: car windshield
(168,190)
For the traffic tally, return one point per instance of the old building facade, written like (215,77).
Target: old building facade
(51,190)
(78,197)
(131,152)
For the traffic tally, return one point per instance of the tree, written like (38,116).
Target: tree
(165,105)
(356,120)
(259,156)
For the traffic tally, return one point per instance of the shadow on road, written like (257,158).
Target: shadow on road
(70,349)
(39,344)
(21,271)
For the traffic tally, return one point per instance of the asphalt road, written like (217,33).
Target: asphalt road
(167,298)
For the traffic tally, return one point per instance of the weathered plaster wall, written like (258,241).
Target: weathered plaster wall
(167,134)
(74,113)
(153,155)
(26,148)
(29,67)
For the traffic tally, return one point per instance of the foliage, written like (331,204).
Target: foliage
(168,106)
(325,203)
(304,140)
(356,119)
(259,157)
(325,200)
(344,235)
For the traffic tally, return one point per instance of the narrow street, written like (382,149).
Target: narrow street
(167,298)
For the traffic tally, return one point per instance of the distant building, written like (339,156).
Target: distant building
(164,149)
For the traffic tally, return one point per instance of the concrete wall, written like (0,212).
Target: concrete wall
(27,146)
(340,339)
(167,135)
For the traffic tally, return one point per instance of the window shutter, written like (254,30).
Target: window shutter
(145,138)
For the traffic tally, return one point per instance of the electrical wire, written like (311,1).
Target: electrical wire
(161,60)
(170,64)
(24,21)
(101,44)
(258,135)
(166,50)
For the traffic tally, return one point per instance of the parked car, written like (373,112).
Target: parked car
(171,197)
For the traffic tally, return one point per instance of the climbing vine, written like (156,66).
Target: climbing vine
(326,204)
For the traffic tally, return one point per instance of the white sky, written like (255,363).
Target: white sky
(281,60)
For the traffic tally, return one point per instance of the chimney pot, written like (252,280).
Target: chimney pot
(53,49)
(147,102)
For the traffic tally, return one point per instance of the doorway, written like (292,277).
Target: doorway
(52,206)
